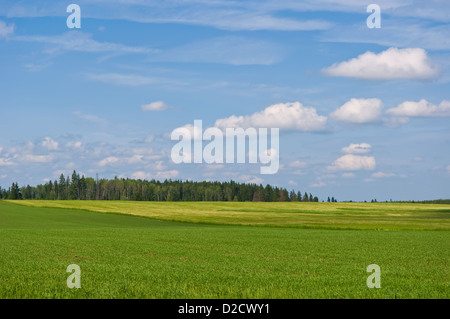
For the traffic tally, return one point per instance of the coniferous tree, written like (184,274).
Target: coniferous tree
(129,189)
(305,197)
(62,187)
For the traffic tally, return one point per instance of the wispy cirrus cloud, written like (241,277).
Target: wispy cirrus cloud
(397,32)
(225,15)
(90,118)
(232,50)
(81,42)
(130,79)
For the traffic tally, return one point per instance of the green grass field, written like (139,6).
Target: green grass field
(223,250)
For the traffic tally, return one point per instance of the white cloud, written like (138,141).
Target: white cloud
(90,118)
(248,179)
(409,63)
(122,79)
(348,175)
(288,116)
(108,160)
(155,106)
(36,67)
(233,50)
(357,148)
(393,122)
(214,166)
(6,162)
(82,42)
(5,29)
(74,144)
(359,111)
(382,175)
(141,175)
(319,183)
(159,165)
(50,144)
(396,33)
(293,183)
(37,158)
(135,159)
(71,165)
(144,151)
(352,162)
(421,108)
(149,139)
(166,174)
(159,175)
(297,164)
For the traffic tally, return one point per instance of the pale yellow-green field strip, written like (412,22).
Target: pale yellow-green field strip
(380,216)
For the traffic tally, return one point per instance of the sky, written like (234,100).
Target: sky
(363,113)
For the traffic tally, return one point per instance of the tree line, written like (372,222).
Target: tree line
(88,188)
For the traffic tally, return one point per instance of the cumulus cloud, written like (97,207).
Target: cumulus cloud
(420,108)
(319,183)
(5,29)
(288,116)
(135,159)
(352,162)
(141,175)
(37,158)
(297,164)
(357,148)
(109,160)
(409,63)
(6,162)
(50,144)
(166,174)
(248,179)
(155,106)
(359,111)
(382,175)
(74,144)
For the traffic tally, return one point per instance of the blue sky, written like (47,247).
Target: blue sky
(363,113)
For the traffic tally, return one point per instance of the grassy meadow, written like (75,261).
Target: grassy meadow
(223,250)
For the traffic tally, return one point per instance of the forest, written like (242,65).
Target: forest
(88,188)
